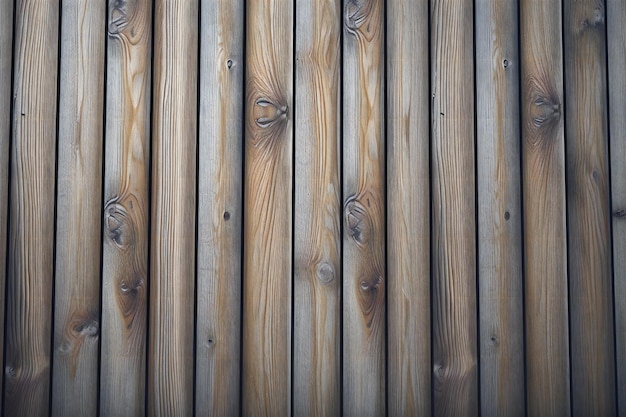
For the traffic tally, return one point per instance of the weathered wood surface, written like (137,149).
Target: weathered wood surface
(545,255)
(173,246)
(499,209)
(126,209)
(364,274)
(220,211)
(408,208)
(455,357)
(78,200)
(31,241)
(317,213)
(267,292)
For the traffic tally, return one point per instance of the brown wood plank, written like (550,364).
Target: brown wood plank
(78,227)
(172,259)
(455,367)
(499,209)
(218,320)
(267,209)
(31,242)
(126,209)
(589,250)
(543,167)
(317,238)
(408,205)
(364,278)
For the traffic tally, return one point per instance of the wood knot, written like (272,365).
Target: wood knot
(371,299)
(544,111)
(619,213)
(118,225)
(594,21)
(325,272)
(118,16)
(357,221)
(10,372)
(89,328)
(267,113)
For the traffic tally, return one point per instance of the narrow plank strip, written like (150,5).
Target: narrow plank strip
(455,354)
(317,240)
(543,167)
(364,278)
(79,167)
(499,209)
(126,209)
(591,306)
(31,243)
(220,208)
(172,267)
(408,205)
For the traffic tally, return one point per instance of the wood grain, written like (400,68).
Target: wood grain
(79,195)
(172,250)
(126,209)
(364,277)
(455,357)
(499,209)
(317,235)
(408,208)
(545,257)
(31,240)
(218,319)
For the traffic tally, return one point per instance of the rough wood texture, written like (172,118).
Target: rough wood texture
(544,209)
(364,278)
(126,209)
(317,238)
(408,220)
(590,286)
(268,200)
(79,166)
(455,370)
(172,259)
(499,209)
(616,37)
(218,317)
(31,243)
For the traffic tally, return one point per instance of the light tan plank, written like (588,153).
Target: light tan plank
(408,219)
(31,241)
(79,167)
(317,242)
(218,321)
(172,259)
(126,209)
(545,257)
(499,209)
(364,278)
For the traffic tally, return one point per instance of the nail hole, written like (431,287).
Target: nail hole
(226,216)
(229,63)
(507,215)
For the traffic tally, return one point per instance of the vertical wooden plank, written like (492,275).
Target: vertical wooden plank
(267,208)
(220,208)
(317,235)
(591,306)
(408,219)
(77,284)
(126,209)
(499,209)
(31,242)
(364,277)
(172,267)
(543,167)
(616,37)
(455,358)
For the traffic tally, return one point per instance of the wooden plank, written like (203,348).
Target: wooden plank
(267,209)
(79,184)
(589,233)
(218,318)
(455,357)
(31,240)
(616,37)
(317,234)
(172,250)
(364,276)
(126,209)
(408,205)
(499,209)
(543,167)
